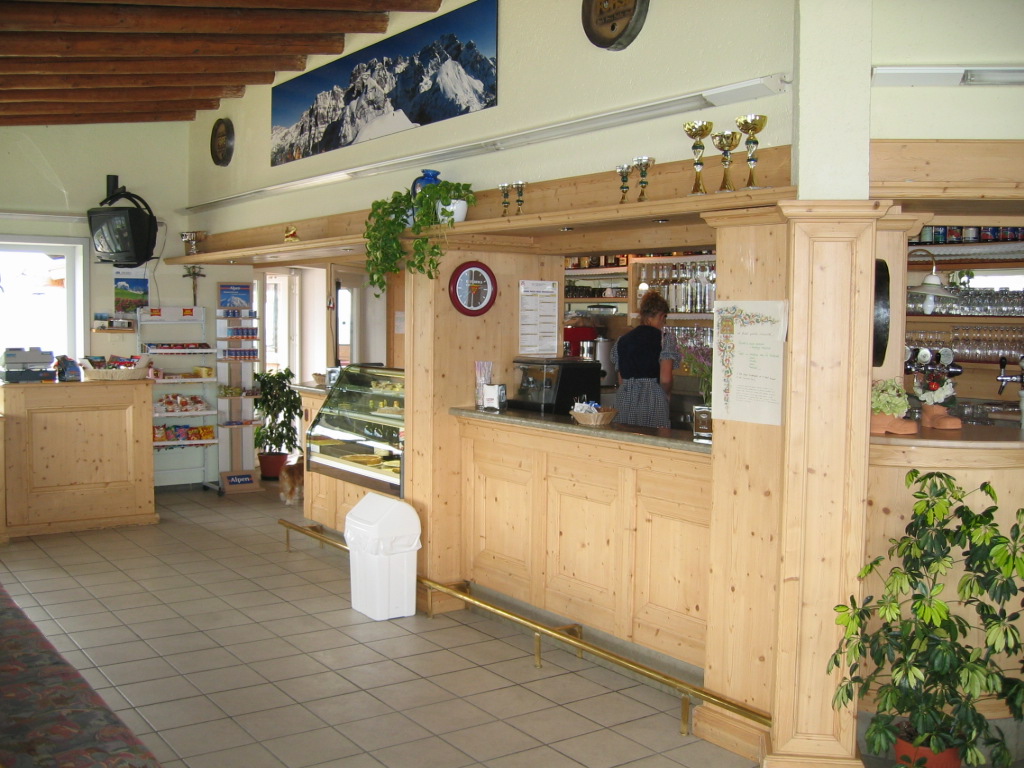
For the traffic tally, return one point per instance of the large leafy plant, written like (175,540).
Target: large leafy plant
(280,406)
(386,224)
(929,659)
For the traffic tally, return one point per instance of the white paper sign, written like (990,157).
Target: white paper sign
(539,315)
(750,339)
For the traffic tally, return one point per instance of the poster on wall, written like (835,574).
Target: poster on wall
(131,289)
(443,68)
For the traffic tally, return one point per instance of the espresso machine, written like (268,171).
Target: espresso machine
(553,384)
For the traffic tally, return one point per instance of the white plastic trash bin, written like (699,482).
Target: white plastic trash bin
(383,534)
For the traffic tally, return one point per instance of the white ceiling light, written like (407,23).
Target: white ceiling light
(946,76)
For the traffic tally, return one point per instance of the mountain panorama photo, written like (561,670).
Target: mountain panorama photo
(385,95)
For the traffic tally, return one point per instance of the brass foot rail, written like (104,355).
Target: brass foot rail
(571,634)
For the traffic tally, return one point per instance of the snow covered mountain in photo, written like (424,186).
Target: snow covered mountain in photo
(445,79)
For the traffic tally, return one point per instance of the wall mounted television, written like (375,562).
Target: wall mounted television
(125,237)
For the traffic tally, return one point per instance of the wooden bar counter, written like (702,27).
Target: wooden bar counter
(77,456)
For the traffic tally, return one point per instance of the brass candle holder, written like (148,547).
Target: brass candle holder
(623,171)
(519,186)
(698,130)
(725,142)
(504,198)
(643,163)
(751,125)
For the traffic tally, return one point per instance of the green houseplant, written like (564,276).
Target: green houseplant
(390,217)
(929,659)
(279,406)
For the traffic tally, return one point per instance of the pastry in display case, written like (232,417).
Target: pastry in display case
(359,434)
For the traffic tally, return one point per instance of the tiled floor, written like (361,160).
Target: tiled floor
(222,650)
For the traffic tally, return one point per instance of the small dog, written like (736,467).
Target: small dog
(291,479)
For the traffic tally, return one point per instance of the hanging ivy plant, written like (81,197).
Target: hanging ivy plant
(386,253)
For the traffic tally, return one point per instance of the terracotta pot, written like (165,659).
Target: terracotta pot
(907,753)
(937,417)
(271,464)
(882,423)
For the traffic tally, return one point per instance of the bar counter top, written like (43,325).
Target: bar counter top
(974,436)
(674,439)
(310,388)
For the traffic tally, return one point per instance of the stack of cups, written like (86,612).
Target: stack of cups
(483,377)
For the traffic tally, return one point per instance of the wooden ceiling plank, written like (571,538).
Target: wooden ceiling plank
(110,107)
(15,65)
(150,19)
(231,81)
(177,93)
(112,45)
(91,119)
(428,6)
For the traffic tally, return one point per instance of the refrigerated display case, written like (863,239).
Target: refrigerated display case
(359,434)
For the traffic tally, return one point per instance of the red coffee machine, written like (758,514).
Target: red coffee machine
(574,335)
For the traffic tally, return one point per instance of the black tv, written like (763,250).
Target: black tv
(124,236)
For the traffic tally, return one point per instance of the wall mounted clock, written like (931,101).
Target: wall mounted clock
(613,24)
(472,288)
(222,141)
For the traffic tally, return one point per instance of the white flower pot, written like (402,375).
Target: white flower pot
(455,212)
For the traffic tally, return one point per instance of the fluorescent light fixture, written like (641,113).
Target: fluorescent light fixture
(946,76)
(747,90)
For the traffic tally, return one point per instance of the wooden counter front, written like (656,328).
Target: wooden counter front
(608,528)
(77,456)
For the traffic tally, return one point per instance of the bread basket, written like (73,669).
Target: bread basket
(600,419)
(140,371)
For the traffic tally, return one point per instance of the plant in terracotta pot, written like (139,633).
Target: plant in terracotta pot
(426,216)
(928,659)
(280,407)
(935,390)
(889,404)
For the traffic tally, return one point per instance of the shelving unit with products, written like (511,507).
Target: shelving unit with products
(237,355)
(686,280)
(183,416)
(596,285)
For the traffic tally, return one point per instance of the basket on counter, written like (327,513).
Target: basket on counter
(600,419)
(140,371)
(319,379)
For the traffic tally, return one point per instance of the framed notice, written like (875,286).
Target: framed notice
(234,295)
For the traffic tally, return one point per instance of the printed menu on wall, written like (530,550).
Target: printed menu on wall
(539,316)
(750,339)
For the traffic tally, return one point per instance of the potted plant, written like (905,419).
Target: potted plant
(889,404)
(425,216)
(929,660)
(279,406)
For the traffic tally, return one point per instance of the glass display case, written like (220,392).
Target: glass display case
(359,434)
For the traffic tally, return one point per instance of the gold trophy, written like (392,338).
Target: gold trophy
(698,130)
(725,142)
(643,163)
(192,241)
(504,198)
(751,125)
(519,186)
(623,171)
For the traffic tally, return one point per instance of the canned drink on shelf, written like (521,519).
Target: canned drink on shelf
(1009,234)
(954,234)
(989,234)
(972,234)
(938,234)
(925,238)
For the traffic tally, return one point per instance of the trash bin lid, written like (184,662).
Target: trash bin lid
(382,525)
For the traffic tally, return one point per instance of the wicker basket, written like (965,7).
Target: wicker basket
(600,419)
(140,371)
(319,379)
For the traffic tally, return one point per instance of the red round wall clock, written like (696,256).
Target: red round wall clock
(472,288)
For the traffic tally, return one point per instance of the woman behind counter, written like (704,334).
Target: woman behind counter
(644,359)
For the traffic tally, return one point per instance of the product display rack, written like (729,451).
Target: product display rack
(184,380)
(238,349)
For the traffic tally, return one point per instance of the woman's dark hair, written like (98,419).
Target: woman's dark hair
(653,304)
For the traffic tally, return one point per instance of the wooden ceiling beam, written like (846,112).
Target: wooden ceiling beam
(136,19)
(108,107)
(169,65)
(93,118)
(179,93)
(18,84)
(428,6)
(112,45)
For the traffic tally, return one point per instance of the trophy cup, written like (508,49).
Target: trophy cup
(623,171)
(191,241)
(698,130)
(643,163)
(751,125)
(504,198)
(519,186)
(725,142)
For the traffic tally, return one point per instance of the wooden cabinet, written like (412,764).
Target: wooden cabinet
(614,536)
(77,456)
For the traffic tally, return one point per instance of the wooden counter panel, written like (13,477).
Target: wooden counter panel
(612,535)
